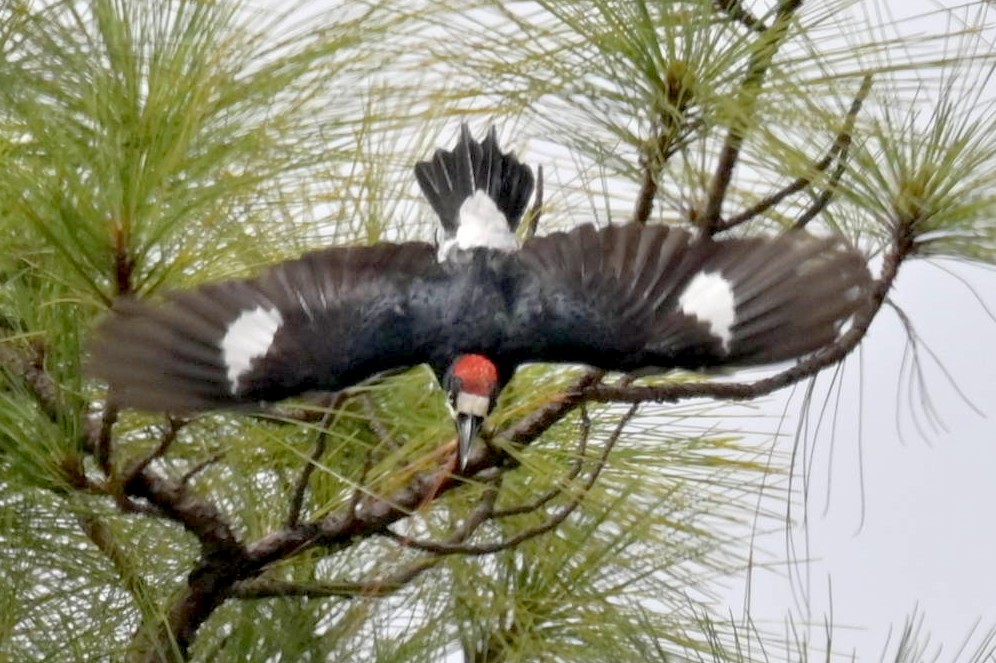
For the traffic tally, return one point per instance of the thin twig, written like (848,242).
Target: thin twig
(648,191)
(105,439)
(532,220)
(757,68)
(843,143)
(124,264)
(265,588)
(168,437)
(838,152)
(446,548)
(557,490)
(297,499)
(736,11)
(37,380)
(201,466)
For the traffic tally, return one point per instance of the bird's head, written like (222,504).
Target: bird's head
(472,383)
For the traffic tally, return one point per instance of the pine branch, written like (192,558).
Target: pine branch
(902,248)
(736,11)
(769,42)
(838,152)
(165,442)
(263,588)
(670,126)
(297,498)
(557,490)
(30,370)
(103,445)
(201,466)
(551,523)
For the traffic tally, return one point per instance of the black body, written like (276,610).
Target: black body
(607,297)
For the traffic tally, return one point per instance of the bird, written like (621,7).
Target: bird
(477,303)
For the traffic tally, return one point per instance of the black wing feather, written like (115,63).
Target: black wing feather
(452,176)
(613,297)
(346,314)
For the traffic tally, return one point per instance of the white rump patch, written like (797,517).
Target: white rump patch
(480,224)
(248,338)
(709,298)
(472,404)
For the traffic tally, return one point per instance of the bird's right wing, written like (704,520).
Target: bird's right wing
(635,296)
(323,322)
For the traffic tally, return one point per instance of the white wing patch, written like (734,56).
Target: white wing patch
(248,338)
(481,224)
(709,298)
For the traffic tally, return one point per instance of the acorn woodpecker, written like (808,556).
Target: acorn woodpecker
(476,306)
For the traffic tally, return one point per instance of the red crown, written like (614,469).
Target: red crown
(477,374)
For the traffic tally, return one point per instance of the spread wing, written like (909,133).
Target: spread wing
(323,322)
(630,297)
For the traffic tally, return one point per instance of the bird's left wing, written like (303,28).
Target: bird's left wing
(635,296)
(323,322)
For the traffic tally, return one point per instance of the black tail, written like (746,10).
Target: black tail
(451,177)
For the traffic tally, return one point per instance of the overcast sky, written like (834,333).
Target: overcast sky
(908,520)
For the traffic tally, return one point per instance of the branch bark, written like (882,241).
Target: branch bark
(838,152)
(757,68)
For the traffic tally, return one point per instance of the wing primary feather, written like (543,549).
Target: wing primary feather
(633,297)
(302,325)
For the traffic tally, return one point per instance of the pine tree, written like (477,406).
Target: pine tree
(156,144)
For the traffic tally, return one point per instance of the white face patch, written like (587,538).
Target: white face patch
(709,298)
(481,224)
(472,404)
(248,338)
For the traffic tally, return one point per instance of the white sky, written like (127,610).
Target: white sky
(921,535)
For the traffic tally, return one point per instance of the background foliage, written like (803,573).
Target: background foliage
(153,144)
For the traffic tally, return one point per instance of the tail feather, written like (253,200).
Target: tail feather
(452,176)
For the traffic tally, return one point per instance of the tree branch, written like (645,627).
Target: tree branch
(103,448)
(669,119)
(374,513)
(736,11)
(201,466)
(557,490)
(297,498)
(843,144)
(32,373)
(263,588)
(165,442)
(674,392)
(757,68)
(197,515)
(838,152)
(554,521)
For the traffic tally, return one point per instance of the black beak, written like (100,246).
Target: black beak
(468,426)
